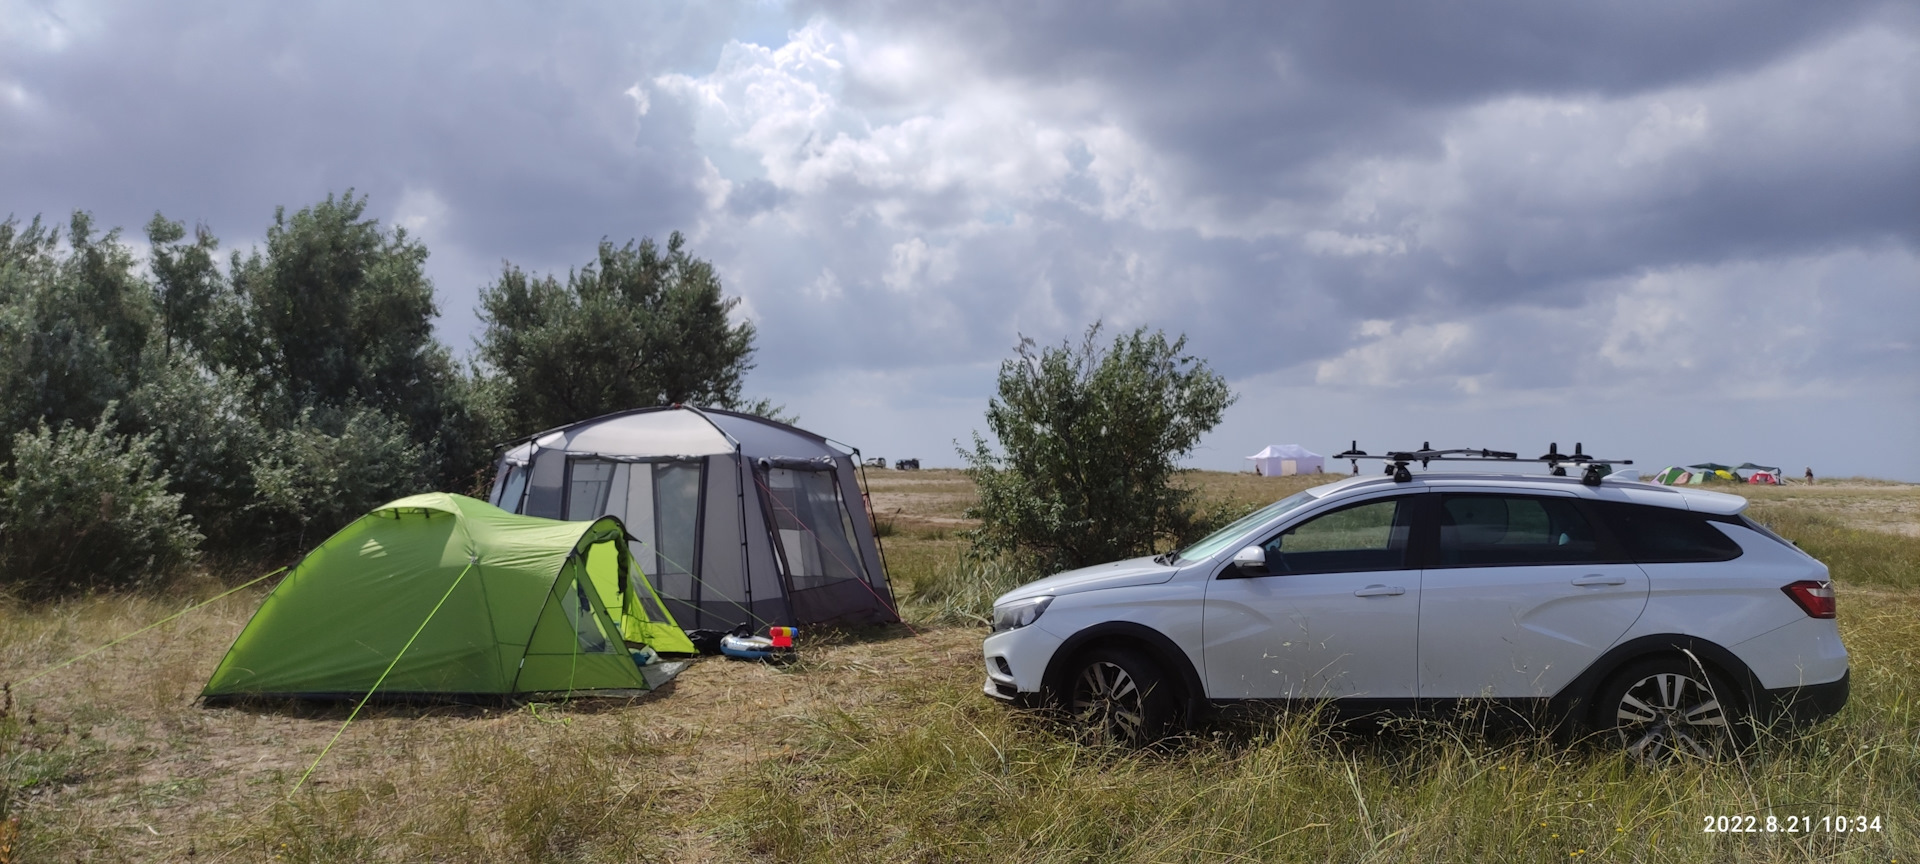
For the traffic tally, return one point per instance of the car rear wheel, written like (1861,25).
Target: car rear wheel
(1119,696)
(1669,708)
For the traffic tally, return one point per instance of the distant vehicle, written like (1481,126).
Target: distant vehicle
(907,465)
(1659,615)
(875,462)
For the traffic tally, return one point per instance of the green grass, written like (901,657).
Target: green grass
(1853,555)
(958,779)
(879,747)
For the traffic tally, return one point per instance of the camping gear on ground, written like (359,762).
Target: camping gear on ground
(447,596)
(1279,460)
(774,646)
(1764,478)
(735,519)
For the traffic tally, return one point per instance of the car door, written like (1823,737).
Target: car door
(1522,593)
(1334,613)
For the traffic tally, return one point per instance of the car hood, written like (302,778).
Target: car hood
(1119,574)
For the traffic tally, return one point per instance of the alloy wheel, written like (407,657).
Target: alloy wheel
(1106,700)
(1670,714)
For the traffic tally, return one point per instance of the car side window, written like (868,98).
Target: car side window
(1662,535)
(1368,536)
(1509,530)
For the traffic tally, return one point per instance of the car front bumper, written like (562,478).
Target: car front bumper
(1016,661)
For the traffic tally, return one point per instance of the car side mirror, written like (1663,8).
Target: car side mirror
(1251,561)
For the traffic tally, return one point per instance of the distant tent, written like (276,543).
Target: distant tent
(502,605)
(1711,471)
(1279,460)
(1765,478)
(736,519)
(1672,476)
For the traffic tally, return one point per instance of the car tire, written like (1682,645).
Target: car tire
(1119,696)
(1668,708)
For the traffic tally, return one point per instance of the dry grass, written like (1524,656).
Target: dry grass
(879,747)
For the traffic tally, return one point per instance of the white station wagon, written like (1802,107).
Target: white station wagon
(1658,612)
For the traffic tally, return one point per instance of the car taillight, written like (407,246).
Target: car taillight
(1816,598)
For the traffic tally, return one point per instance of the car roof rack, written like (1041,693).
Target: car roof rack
(1398,460)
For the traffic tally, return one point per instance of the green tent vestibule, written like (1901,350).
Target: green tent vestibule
(473,600)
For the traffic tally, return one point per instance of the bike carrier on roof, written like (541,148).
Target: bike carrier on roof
(1398,460)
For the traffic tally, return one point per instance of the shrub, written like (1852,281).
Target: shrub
(206,438)
(1092,437)
(313,481)
(86,508)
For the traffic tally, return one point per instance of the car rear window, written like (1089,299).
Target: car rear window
(1658,535)
(1505,530)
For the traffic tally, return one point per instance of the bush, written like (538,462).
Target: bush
(86,508)
(313,481)
(207,439)
(1092,435)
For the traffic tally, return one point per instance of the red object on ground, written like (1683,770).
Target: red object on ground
(782,636)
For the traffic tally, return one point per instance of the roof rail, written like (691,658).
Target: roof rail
(1398,460)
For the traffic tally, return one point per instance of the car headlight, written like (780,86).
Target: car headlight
(1019,613)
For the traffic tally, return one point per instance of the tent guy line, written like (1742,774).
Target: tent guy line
(471,561)
(201,605)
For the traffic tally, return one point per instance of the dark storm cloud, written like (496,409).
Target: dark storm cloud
(1250,92)
(1467,202)
(511,120)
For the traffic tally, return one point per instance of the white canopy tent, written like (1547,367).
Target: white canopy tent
(1282,459)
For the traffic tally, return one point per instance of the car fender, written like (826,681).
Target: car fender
(1575,699)
(1163,650)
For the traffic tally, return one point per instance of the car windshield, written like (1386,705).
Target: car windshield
(1218,540)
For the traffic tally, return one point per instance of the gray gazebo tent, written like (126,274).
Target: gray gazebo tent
(729,512)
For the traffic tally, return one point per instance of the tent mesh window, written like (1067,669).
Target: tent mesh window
(660,504)
(588,483)
(586,624)
(511,490)
(812,528)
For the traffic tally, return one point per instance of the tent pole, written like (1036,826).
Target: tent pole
(740,497)
(866,497)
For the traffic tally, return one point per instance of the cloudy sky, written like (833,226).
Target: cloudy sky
(1675,232)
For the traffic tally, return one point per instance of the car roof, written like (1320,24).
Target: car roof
(1631,491)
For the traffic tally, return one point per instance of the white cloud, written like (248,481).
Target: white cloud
(917,266)
(420,211)
(1353,245)
(1398,356)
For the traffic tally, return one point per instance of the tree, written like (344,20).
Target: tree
(74,324)
(188,285)
(1092,435)
(638,327)
(339,320)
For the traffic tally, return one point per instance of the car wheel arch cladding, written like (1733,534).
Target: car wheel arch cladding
(1156,645)
(1579,694)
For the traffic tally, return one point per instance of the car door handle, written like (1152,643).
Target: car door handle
(1597,579)
(1380,591)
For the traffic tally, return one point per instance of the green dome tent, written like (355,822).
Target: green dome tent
(470,599)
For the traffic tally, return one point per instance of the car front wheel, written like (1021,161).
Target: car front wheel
(1119,696)
(1667,708)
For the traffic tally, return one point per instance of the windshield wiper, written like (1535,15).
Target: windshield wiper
(1165,558)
